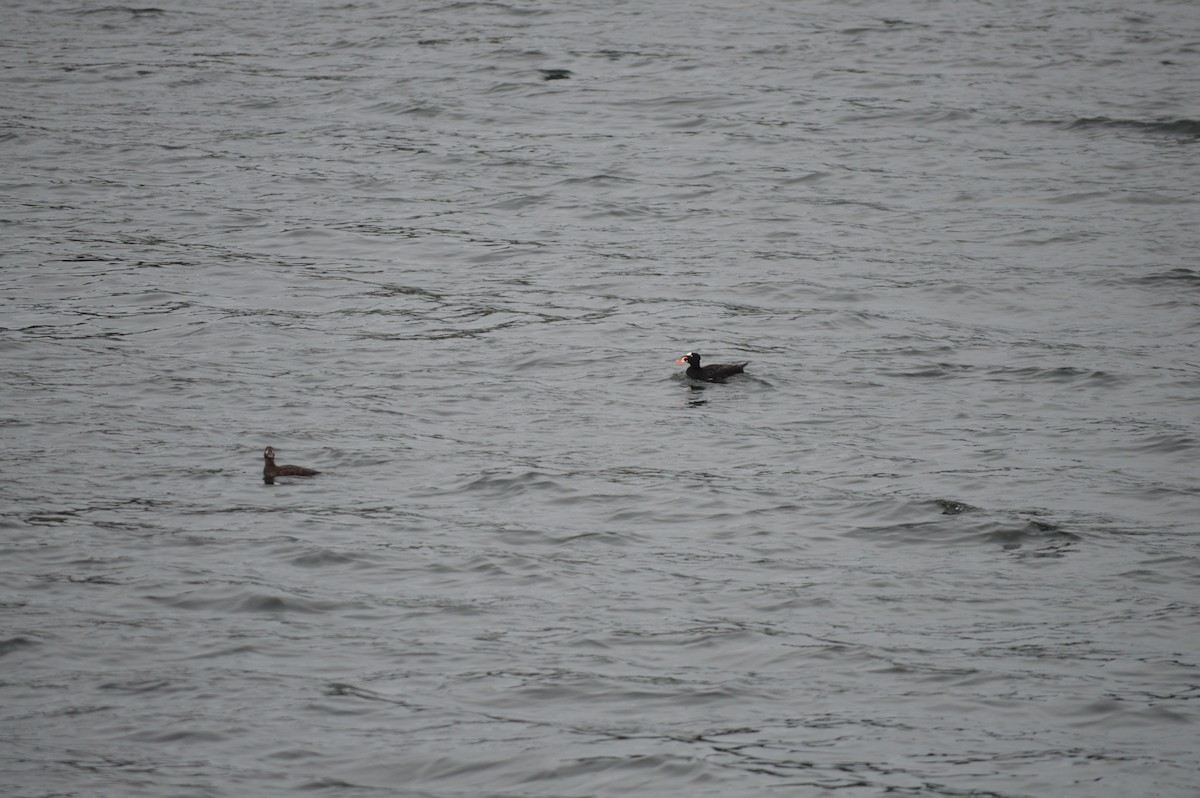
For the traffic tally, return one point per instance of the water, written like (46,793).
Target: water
(939,540)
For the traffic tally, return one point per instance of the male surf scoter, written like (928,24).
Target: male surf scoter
(717,372)
(270,470)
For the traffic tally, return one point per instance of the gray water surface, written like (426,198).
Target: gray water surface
(939,540)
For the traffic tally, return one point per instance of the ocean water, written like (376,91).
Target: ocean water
(940,539)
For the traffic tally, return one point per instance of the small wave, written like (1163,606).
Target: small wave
(971,525)
(190,736)
(1185,128)
(501,484)
(1015,536)
(1165,443)
(327,784)
(130,10)
(250,602)
(347,690)
(1180,276)
(472,5)
(14,644)
(321,557)
(1117,714)
(598,179)
(141,686)
(224,651)
(1061,374)
(312,556)
(1067,375)
(933,371)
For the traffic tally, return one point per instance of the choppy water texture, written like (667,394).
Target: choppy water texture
(939,540)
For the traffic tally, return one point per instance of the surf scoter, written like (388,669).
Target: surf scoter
(270,470)
(717,372)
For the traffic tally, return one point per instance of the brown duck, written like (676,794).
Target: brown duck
(270,470)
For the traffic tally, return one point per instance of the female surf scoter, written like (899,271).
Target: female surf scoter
(270,470)
(717,372)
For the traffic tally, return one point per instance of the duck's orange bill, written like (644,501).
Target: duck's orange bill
(680,360)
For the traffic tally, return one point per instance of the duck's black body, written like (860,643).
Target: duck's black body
(270,470)
(716,372)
